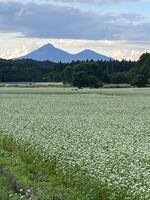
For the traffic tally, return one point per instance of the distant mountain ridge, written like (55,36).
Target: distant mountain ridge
(51,53)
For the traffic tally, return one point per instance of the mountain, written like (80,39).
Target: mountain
(90,55)
(49,52)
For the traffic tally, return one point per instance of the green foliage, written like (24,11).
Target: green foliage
(118,78)
(141,72)
(144,59)
(139,81)
(80,79)
(93,82)
(68,74)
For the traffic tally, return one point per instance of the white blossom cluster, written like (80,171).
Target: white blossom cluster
(105,136)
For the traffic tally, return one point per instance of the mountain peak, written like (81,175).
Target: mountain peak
(48,45)
(87,51)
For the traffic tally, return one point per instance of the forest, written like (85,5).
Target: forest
(79,74)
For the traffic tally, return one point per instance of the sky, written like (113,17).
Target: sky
(116,28)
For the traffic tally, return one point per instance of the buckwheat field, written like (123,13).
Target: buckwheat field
(101,140)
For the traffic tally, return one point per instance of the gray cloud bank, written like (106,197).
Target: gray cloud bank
(52,21)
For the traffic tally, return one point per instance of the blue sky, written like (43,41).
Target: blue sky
(118,28)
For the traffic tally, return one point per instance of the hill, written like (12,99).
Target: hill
(51,53)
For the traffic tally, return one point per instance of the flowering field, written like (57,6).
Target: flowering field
(101,141)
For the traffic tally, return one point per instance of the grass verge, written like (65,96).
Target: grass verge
(38,176)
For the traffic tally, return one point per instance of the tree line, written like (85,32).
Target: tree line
(78,73)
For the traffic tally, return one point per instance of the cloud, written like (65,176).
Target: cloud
(96,1)
(75,1)
(17,52)
(52,21)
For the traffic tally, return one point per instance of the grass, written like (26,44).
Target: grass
(45,184)
(70,90)
(6,191)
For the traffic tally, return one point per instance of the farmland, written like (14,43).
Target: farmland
(97,140)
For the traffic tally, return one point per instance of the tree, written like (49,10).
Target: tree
(145,70)
(144,59)
(68,75)
(139,81)
(80,79)
(93,82)
(90,68)
(118,78)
